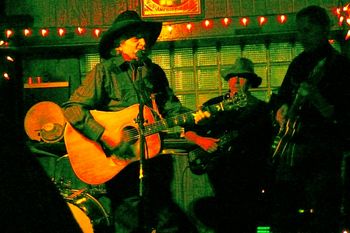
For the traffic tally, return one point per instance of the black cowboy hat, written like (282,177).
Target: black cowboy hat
(128,22)
(244,68)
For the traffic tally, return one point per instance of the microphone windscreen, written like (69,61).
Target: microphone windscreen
(141,55)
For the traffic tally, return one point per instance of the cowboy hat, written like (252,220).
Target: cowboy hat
(244,68)
(126,23)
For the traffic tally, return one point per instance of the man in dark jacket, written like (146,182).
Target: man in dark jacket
(125,80)
(237,143)
(313,113)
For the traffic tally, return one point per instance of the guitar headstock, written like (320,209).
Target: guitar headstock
(230,103)
(239,100)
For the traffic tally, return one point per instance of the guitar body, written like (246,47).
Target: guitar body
(284,137)
(199,159)
(292,125)
(88,158)
(93,165)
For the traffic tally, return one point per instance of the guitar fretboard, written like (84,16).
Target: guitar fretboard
(182,119)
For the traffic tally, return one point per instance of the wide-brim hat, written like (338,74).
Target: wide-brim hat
(244,68)
(128,22)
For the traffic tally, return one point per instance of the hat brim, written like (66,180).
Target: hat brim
(254,79)
(106,44)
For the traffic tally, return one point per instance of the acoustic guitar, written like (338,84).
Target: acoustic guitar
(94,165)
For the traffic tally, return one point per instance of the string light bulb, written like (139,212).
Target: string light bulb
(9,33)
(80,30)
(282,19)
(262,20)
(226,21)
(244,21)
(61,31)
(44,32)
(6,76)
(341,20)
(189,26)
(10,59)
(207,23)
(27,32)
(97,32)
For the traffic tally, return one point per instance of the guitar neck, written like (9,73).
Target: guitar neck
(313,78)
(228,138)
(224,140)
(182,119)
(296,105)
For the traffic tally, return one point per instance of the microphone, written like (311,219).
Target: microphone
(142,55)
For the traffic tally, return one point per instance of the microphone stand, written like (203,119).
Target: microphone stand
(140,120)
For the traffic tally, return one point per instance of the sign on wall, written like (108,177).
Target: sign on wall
(170,8)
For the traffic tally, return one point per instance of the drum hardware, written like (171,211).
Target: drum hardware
(173,151)
(88,203)
(45,122)
(88,211)
(51,132)
(75,194)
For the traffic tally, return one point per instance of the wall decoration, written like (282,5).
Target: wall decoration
(170,8)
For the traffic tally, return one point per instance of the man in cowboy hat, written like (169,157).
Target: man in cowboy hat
(126,77)
(237,144)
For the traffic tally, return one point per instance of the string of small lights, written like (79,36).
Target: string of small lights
(96,32)
(342,13)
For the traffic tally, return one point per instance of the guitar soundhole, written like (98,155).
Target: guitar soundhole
(130,135)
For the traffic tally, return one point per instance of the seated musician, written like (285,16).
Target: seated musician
(237,143)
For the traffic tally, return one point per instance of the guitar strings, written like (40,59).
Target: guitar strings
(133,134)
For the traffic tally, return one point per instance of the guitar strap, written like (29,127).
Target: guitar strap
(155,106)
(316,75)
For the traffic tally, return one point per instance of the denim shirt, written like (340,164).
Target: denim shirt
(114,85)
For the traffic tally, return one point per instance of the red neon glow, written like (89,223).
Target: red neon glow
(44,32)
(27,32)
(282,19)
(226,21)
(262,20)
(244,21)
(61,31)
(348,20)
(9,33)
